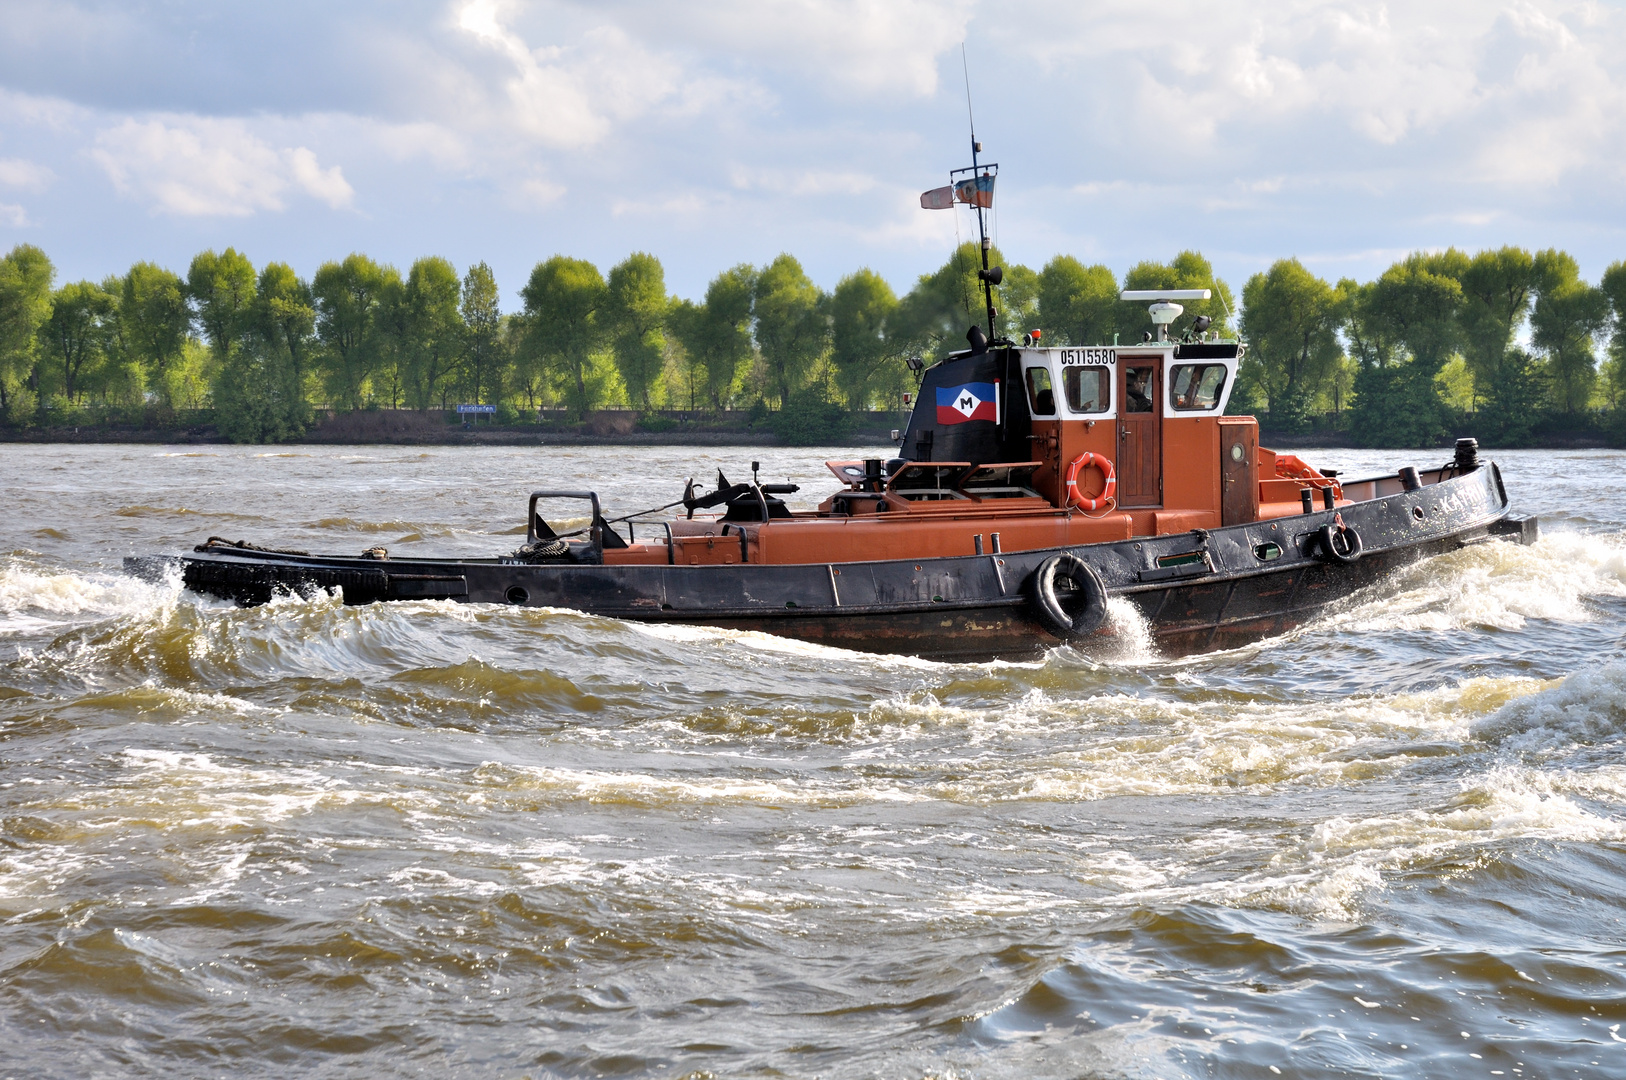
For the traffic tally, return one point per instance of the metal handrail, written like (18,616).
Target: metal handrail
(595,531)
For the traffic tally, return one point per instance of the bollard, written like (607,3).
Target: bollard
(1409,480)
(1307,499)
(1328,499)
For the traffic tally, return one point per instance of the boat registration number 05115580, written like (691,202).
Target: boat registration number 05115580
(1089,356)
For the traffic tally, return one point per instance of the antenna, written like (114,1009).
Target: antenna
(970,119)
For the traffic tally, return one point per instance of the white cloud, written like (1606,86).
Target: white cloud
(13,215)
(686,206)
(431,141)
(1519,93)
(800,182)
(850,47)
(204,167)
(327,185)
(18,173)
(906,227)
(537,191)
(571,97)
(1346,128)
(45,112)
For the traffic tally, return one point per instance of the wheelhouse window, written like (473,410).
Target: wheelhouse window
(1089,389)
(1196,387)
(1041,397)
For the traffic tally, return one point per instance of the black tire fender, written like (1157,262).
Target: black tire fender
(1069,613)
(1330,539)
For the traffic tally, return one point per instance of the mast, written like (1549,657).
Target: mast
(989,279)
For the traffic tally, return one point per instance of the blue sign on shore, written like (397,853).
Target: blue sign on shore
(477,408)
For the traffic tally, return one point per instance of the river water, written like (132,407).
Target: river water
(465,841)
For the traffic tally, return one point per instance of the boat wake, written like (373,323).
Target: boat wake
(1499,587)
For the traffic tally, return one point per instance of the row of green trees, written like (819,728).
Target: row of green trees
(1503,340)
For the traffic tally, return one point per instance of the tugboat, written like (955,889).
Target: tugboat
(1032,486)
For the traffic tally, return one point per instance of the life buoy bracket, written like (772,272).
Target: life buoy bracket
(1069,597)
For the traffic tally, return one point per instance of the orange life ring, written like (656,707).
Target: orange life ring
(1109,486)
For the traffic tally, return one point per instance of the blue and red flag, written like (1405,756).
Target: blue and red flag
(972,401)
(977,190)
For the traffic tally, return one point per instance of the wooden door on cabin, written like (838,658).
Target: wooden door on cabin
(1239,470)
(1140,442)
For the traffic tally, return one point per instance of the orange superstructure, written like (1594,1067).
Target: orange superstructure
(997,433)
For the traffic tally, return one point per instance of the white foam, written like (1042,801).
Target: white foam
(1589,705)
(772,643)
(1497,586)
(1338,861)
(1134,745)
(1504,804)
(32,599)
(192,789)
(648,789)
(1131,642)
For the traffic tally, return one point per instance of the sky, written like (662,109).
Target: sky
(716,132)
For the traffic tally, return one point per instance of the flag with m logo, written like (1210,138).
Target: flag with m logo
(969,401)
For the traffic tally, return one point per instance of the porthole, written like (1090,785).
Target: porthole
(1237,451)
(517,595)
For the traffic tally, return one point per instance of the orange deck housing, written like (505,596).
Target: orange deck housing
(1155,414)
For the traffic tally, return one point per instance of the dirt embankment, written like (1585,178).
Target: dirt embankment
(610,427)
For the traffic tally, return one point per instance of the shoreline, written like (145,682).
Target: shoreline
(613,428)
(455,437)
(510,437)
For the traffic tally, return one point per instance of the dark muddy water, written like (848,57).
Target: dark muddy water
(464,841)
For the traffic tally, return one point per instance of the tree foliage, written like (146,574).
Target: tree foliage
(349,296)
(716,334)
(935,315)
(861,309)
(564,299)
(635,309)
(483,352)
(1568,314)
(1499,344)
(431,331)
(260,393)
(221,291)
(77,332)
(1188,270)
(1613,284)
(791,327)
(26,276)
(1078,304)
(1290,318)
(1496,289)
(156,322)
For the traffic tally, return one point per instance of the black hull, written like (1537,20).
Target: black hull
(1197,591)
